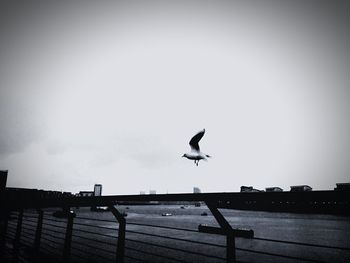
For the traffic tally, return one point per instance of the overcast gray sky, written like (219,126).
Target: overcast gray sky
(112,92)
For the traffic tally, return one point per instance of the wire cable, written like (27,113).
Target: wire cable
(176,249)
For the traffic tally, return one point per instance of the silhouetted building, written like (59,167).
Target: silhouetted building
(86,193)
(98,190)
(300,188)
(342,187)
(3,180)
(27,193)
(249,189)
(273,189)
(153,192)
(196,190)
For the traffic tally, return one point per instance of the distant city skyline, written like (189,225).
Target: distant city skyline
(111,92)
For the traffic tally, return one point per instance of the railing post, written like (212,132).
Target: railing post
(38,231)
(230,247)
(68,238)
(230,237)
(121,233)
(16,242)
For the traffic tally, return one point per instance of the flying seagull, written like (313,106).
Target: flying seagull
(195,153)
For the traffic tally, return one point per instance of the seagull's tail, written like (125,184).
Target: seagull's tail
(208,156)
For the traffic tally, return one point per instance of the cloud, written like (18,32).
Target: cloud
(18,129)
(93,91)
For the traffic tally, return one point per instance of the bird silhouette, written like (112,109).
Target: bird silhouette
(195,153)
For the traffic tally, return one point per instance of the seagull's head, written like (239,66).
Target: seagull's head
(185,155)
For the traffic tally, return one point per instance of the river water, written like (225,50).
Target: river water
(323,230)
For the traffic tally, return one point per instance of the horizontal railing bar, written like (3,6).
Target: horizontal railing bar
(300,243)
(28,231)
(11,226)
(50,235)
(31,212)
(137,259)
(174,238)
(90,253)
(165,227)
(53,241)
(48,224)
(25,239)
(54,220)
(29,220)
(279,255)
(25,245)
(176,249)
(234,198)
(11,231)
(30,225)
(94,233)
(12,223)
(44,230)
(11,235)
(49,240)
(95,219)
(26,223)
(93,247)
(13,215)
(48,244)
(102,227)
(154,254)
(30,215)
(94,240)
(24,230)
(23,234)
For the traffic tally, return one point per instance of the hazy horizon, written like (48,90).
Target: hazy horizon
(111,92)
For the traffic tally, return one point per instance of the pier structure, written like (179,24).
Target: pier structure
(29,209)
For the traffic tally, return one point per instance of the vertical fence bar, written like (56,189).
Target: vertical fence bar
(68,238)
(16,242)
(230,237)
(38,231)
(230,247)
(121,233)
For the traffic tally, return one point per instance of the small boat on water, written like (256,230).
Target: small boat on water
(167,214)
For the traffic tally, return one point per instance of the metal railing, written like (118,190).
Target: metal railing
(29,234)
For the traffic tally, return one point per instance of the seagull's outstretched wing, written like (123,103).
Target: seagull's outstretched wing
(195,140)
